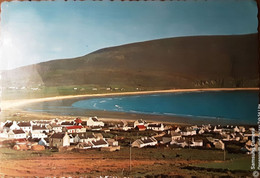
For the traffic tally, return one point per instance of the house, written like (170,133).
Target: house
(181,142)
(219,144)
(60,139)
(25,126)
(177,129)
(74,129)
(159,139)
(166,138)
(84,137)
(39,128)
(175,135)
(188,131)
(196,143)
(139,122)
(84,145)
(143,142)
(141,127)
(37,134)
(156,127)
(112,142)
(217,129)
(55,127)
(99,143)
(123,125)
(11,125)
(93,121)
(17,134)
(42,123)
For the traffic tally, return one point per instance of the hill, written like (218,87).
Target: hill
(182,62)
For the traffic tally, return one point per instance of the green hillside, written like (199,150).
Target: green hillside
(183,62)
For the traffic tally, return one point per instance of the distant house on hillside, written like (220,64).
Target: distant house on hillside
(59,139)
(93,121)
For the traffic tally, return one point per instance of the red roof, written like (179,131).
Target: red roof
(78,120)
(141,127)
(74,127)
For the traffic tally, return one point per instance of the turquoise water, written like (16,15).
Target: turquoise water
(240,106)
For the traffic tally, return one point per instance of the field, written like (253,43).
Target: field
(146,162)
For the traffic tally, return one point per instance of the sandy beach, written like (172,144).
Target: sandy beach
(9,104)
(10,108)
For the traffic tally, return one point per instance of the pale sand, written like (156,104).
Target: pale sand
(11,104)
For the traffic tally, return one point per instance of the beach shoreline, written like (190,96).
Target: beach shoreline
(12,107)
(9,104)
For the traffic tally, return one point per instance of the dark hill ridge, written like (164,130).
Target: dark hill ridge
(182,62)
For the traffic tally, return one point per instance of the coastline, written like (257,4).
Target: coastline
(9,104)
(12,107)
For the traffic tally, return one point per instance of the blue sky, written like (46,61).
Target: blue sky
(33,32)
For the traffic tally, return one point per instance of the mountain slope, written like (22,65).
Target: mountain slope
(183,62)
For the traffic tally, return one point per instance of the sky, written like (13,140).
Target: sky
(33,32)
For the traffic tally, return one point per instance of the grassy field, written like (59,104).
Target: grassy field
(146,162)
(241,163)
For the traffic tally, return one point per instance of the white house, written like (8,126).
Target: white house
(188,131)
(176,136)
(11,125)
(75,129)
(37,134)
(55,127)
(143,142)
(196,143)
(16,134)
(93,121)
(156,127)
(40,128)
(217,128)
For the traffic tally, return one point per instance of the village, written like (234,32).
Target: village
(111,136)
